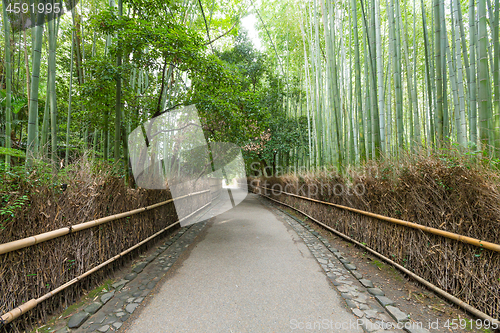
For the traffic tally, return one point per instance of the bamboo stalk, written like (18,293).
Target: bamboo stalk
(439,232)
(439,74)
(118,96)
(68,121)
(52,41)
(23,308)
(34,85)
(484,98)
(461,124)
(357,79)
(473,86)
(395,17)
(8,84)
(380,76)
(434,288)
(40,238)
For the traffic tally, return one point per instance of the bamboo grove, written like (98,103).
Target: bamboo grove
(355,79)
(83,80)
(381,76)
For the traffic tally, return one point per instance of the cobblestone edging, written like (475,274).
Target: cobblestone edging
(113,307)
(375,311)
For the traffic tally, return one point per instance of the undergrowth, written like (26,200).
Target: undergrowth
(47,198)
(18,185)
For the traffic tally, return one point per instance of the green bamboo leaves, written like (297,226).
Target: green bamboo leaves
(371,77)
(416,73)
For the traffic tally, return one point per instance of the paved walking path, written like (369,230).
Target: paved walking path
(250,269)
(248,272)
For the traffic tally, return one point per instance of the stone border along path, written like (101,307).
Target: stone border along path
(115,307)
(112,308)
(365,300)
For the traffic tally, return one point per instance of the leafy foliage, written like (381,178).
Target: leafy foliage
(239,99)
(17,101)
(12,152)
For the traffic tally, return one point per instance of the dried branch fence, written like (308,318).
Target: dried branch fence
(464,266)
(54,268)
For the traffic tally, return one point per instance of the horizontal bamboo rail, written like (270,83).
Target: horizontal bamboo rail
(23,308)
(450,297)
(439,232)
(40,238)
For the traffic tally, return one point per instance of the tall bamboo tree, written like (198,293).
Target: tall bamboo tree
(439,73)
(8,83)
(472,88)
(118,100)
(357,77)
(429,74)
(484,98)
(52,40)
(380,75)
(496,77)
(35,78)
(68,121)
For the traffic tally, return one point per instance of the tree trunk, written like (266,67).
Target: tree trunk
(484,97)
(52,87)
(496,78)
(472,88)
(439,73)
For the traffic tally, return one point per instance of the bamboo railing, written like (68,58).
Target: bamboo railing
(25,307)
(439,232)
(441,292)
(43,237)
(40,238)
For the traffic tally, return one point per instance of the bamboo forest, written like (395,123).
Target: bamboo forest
(334,82)
(371,123)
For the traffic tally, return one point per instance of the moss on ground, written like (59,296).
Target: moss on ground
(52,322)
